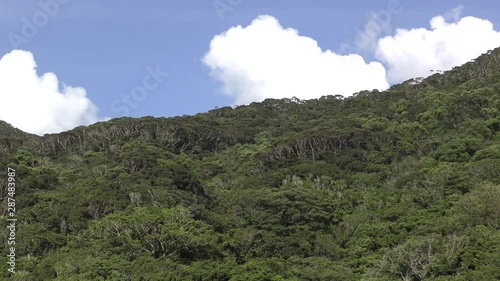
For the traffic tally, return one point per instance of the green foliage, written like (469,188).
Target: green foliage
(158,232)
(400,184)
(457,150)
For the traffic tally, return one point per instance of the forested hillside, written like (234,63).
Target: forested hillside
(396,185)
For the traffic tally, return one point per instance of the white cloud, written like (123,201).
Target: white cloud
(415,52)
(265,60)
(36,104)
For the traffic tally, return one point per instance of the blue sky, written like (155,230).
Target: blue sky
(105,50)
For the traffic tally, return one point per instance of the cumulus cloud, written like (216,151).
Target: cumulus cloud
(415,52)
(265,60)
(37,104)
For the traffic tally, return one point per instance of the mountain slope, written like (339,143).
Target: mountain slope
(400,184)
(7,131)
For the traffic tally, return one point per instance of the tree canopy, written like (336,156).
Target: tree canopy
(402,184)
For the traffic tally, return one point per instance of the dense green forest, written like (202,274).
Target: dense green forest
(402,184)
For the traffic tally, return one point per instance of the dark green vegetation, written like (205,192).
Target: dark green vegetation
(396,185)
